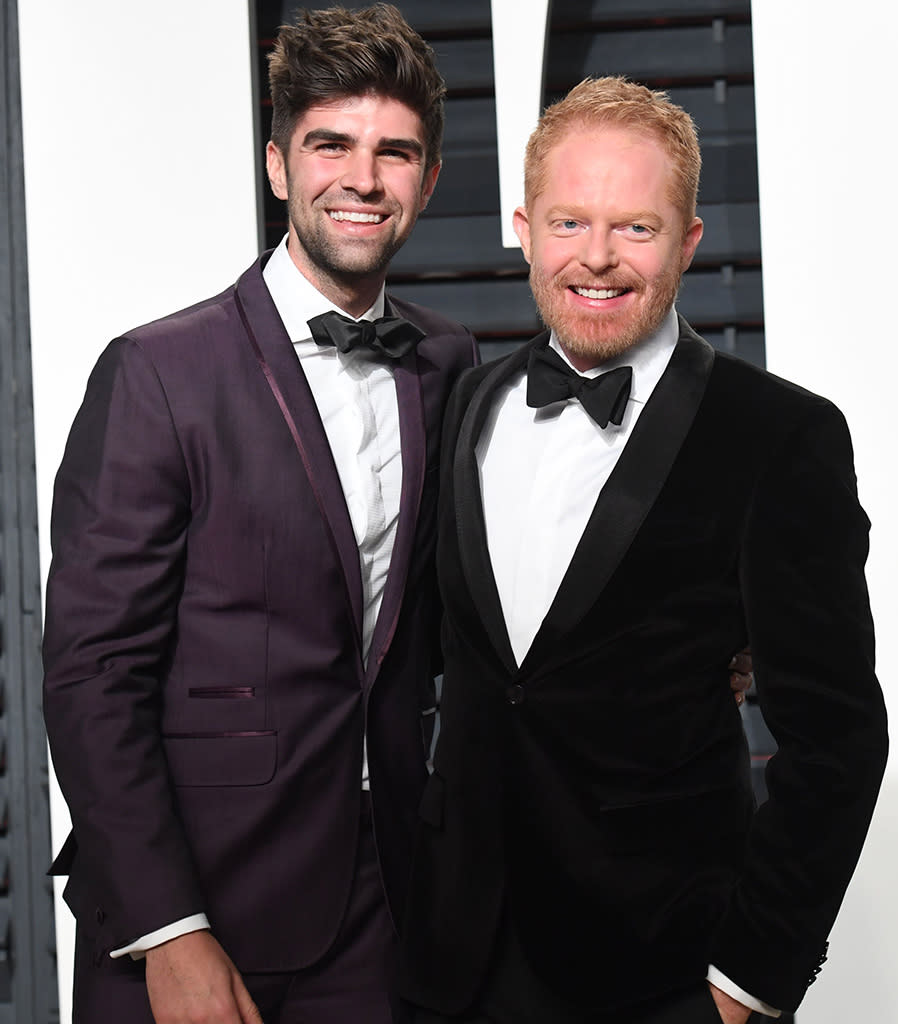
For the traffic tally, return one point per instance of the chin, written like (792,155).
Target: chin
(586,339)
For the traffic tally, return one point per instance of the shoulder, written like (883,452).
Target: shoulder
(196,321)
(736,387)
(205,333)
(767,397)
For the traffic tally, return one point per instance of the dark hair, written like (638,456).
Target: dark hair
(336,53)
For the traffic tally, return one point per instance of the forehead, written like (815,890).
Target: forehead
(367,117)
(608,166)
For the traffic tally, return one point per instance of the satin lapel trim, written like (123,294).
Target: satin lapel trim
(469,518)
(290,388)
(631,490)
(413,447)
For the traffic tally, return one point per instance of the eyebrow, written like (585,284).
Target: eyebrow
(327,135)
(574,211)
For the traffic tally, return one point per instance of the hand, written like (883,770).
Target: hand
(731,1010)
(741,676)
(191,979)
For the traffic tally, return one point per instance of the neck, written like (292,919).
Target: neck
(354,294)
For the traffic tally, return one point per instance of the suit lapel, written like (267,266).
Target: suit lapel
(631,490)
(291,390)
(413,448)
(469,518)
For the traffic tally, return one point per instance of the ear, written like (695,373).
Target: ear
(277,170)
(429,184)
(690,242)
(521,223)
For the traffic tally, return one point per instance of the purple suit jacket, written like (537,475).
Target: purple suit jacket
(205,694)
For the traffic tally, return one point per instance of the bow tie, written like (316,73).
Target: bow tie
(390,335)
(550,379)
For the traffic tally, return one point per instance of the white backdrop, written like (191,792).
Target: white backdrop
(140,185)
(140,170)
(824,89)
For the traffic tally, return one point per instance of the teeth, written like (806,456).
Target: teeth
(356,218)
(599,293)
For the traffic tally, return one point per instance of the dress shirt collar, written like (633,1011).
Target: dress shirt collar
(649,358)
(297,300)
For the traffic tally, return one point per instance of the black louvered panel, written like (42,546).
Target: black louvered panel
(732,234)
(455,246)
(28,989)
(597,13)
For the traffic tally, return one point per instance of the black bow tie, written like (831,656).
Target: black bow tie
(390,335)
(550,379)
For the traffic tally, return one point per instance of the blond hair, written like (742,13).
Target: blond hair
(615,102)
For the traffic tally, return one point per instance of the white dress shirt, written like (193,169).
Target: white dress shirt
(541,473)
(356,398)
(357,403)
(539,488)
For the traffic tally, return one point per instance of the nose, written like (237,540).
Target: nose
(598,252)
(360,173)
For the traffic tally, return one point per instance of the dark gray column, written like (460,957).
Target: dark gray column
(28,991)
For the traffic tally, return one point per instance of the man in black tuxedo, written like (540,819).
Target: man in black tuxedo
(609,531)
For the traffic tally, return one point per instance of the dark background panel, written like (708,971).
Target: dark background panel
(28,987)
(698,50)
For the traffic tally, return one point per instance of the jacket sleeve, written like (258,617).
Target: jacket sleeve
(811,634)
(121,510)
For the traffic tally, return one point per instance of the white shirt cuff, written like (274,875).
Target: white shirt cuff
(741,996)
(138,948)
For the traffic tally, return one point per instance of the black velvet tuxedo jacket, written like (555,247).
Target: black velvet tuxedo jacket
(600,791)
(205,693)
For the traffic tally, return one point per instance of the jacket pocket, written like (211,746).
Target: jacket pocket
(695,823)
(222,692)
(221,759)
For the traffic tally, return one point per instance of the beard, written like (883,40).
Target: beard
(342,259)
(345,260)
(598,336)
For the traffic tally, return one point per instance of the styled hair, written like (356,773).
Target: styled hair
(615,102)
(337,53)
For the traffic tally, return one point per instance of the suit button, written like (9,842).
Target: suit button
(515,694)
(101,917)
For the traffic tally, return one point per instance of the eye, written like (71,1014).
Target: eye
(395,154)
(566,226)
(638,230)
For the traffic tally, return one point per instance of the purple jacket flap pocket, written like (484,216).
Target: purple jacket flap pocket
(221,759)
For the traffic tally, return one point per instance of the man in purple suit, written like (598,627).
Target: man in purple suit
(241,606)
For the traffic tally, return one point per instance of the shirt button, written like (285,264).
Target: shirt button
(515,694)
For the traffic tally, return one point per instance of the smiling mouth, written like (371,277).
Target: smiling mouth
(356,217)
(599,293)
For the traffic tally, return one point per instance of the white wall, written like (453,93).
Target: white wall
(140,183)
(824,79)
